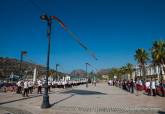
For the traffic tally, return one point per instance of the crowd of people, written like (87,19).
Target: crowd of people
(26,87)
(149,86)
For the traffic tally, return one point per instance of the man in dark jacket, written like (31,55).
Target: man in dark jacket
(132,86)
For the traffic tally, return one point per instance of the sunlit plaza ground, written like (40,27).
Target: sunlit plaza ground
(102,99)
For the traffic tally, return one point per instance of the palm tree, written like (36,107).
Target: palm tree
(129,68)
(122,71)
(141,56)
(158,54)
(114,72)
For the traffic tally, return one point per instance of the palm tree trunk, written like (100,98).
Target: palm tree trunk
(161,80)
(140,72)
(144,72)
(163,67)
(161,75)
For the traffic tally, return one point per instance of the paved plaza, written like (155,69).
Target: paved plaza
(102,99)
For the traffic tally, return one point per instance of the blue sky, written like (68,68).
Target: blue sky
(113,29)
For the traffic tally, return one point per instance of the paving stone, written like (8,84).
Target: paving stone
(101,99)
(11,110)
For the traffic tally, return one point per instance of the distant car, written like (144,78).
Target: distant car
(160,90)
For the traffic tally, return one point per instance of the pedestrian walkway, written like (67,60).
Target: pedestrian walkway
(102,99)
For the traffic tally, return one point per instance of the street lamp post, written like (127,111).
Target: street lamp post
(57,77)
(86,74)
(45,102)
(21,59)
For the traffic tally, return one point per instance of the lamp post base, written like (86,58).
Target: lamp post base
(45,103)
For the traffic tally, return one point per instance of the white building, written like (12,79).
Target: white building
(150,71)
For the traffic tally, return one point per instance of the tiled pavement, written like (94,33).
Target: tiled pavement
(101,99)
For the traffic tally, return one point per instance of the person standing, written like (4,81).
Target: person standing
(25,93)
(138,86)
(19,89)
(30,85)
(39,83)
(128,85)
(63,84)
(153,87)
(94,83)
(147,87)
(132,86)
(110,82)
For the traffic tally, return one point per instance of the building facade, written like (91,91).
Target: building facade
(150,71)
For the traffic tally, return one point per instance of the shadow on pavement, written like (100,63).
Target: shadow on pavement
(161,112)
(83,92)
(62,100)
(24,98)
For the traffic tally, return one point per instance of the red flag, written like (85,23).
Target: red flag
(59,21)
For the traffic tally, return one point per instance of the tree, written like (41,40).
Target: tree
(158,54)
(129,69)
(122,71)
(141,56)
(113,72)
(78,72)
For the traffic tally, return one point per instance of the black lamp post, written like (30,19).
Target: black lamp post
(86,64)
(45,102)
(57,77)
(21,59)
